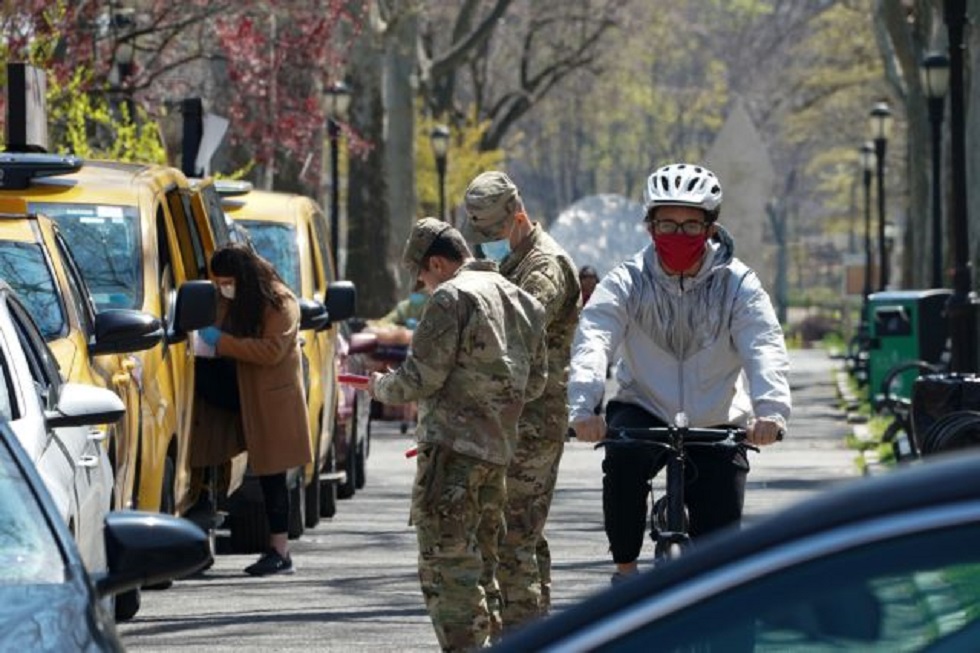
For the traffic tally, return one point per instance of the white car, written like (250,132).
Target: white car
(54,422)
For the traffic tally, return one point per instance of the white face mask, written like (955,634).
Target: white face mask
(227,291)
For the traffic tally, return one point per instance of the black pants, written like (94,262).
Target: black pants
(714,491)
(276,497)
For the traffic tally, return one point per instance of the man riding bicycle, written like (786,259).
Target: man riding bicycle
(695,333)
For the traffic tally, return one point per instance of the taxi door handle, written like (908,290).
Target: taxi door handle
(88,462)
(97,435)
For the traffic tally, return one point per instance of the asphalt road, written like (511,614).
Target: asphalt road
(355,588)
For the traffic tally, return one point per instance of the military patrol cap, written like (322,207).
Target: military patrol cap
(424,233)
(490,201)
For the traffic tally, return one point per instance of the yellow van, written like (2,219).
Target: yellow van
(139,233)
(290,231)
(91,347)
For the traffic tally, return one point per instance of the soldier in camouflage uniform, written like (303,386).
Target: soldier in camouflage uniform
(477,355)
(534,261)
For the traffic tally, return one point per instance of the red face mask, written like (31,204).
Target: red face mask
(680,252)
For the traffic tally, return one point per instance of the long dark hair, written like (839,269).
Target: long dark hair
(257,286)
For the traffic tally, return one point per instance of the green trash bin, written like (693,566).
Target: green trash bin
(905,325)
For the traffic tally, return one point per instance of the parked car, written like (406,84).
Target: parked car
(89,346)
(890,563)
(53,421)
(290,231)
(139,233)
(52,600)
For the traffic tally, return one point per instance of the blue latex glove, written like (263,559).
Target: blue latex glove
(210,335)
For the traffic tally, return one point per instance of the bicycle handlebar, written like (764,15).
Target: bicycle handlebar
(663,435)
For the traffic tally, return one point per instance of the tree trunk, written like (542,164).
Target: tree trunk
(368,210)
(400,60)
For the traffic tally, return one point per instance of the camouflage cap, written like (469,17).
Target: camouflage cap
(424,233)
(489,201)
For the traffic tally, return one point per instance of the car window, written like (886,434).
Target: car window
(323,242)
(8,395)
(105,241)
(276,242)
(25,267)
(905,594)
(216,215)
(315,260)
(79,292)
(168,280)
(29,552)
(43,364)
(192,248)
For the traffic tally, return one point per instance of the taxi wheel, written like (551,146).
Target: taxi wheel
(360,462)
(361,448)
(297,508)
(328,489)
(127,604)
(248,526)
(168,506)
(312,504)
(346,489)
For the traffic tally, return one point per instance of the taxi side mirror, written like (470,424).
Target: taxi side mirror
(197,303)
(313,315)
(341,300)
(122,331)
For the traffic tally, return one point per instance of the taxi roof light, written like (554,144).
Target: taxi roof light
(17,169)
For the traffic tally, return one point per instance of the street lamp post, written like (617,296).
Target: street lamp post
(338,101)
(440,146)
(881,119)
(935,81)
(961,308)
(867,164)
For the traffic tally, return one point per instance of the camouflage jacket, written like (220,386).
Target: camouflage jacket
(543,269)
(477,356)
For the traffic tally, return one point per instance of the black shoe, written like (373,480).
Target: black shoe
(271,563)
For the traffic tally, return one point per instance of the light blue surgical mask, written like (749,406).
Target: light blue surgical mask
(496,250)
(417,298)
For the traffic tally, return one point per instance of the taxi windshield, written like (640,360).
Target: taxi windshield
(25,268)
(276,243)
(105,241)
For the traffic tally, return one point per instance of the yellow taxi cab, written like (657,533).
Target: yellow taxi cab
(90,347)
(140,235)
(290,231)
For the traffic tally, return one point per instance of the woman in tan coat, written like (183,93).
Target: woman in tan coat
(259,329)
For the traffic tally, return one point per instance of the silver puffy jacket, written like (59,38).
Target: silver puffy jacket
(683,343)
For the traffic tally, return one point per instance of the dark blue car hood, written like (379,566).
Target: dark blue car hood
(54,617)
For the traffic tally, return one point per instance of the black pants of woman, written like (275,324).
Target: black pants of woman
(714,491)
(276,497)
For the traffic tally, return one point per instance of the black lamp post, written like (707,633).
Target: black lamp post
(337,97)
(867,165)
(961,308)
(881,122)
(935,81)
(440,146)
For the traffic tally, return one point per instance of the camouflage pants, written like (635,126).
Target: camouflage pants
(452,497)
(522,574)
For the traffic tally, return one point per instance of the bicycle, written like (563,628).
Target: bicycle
(668,514)
(899,433)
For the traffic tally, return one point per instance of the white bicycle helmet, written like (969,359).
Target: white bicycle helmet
(684,184)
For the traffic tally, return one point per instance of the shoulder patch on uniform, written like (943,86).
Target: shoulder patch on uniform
(444,298)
